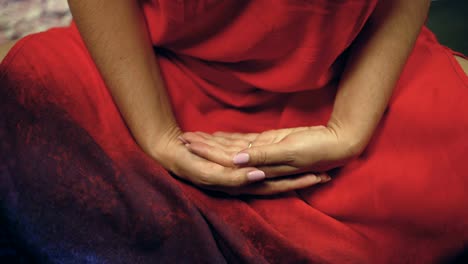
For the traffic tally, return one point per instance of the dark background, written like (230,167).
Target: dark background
(448,19)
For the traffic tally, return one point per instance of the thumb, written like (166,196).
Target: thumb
(263,155)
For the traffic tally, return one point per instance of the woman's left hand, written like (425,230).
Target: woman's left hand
(277,153)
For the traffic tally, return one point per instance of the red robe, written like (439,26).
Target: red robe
(76,188)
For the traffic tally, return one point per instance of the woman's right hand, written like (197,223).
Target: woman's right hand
(171,153)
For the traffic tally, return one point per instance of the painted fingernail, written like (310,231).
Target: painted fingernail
(256,175)
(183,140)
(325,179)
(241,158)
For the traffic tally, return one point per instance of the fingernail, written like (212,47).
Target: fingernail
(325,179)
(241,158)
(183,140)
(256,175)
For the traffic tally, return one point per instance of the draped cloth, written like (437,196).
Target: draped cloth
(76,188)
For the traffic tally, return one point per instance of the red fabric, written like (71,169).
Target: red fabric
(76,187)
(238,60)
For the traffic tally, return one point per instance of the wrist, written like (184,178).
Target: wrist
(352,139)
(162,145)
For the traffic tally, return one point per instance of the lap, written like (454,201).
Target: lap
(53,69)
(61,75)
(72,170)
(418,149)
(74,155)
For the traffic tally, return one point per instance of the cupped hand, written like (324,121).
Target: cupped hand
(171,153)
(282,152)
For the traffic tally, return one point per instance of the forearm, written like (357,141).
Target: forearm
(374,66)
(117,38)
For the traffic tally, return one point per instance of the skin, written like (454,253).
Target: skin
(4,48)
(116,35)
(377,59)
(111,27)
(463,63)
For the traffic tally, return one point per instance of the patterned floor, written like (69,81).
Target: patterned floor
(21,17)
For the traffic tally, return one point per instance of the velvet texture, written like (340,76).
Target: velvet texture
(75,187)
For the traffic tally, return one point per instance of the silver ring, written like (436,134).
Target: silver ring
(250,144)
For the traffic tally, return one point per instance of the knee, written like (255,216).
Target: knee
(16,58)
(41,68)
(41,53)
(19,80)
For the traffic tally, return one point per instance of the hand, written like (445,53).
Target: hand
(282,152)
(171,153)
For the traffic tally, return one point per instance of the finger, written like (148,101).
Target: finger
(210,175)
(232,142)
(204,135)
(239,144)
(192,137)
(271,154)
(276,171)
(325,177)
(183,140)
(227,178)
(283,185)
(216,147)
(244,136)
(212,153)
(281,170)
